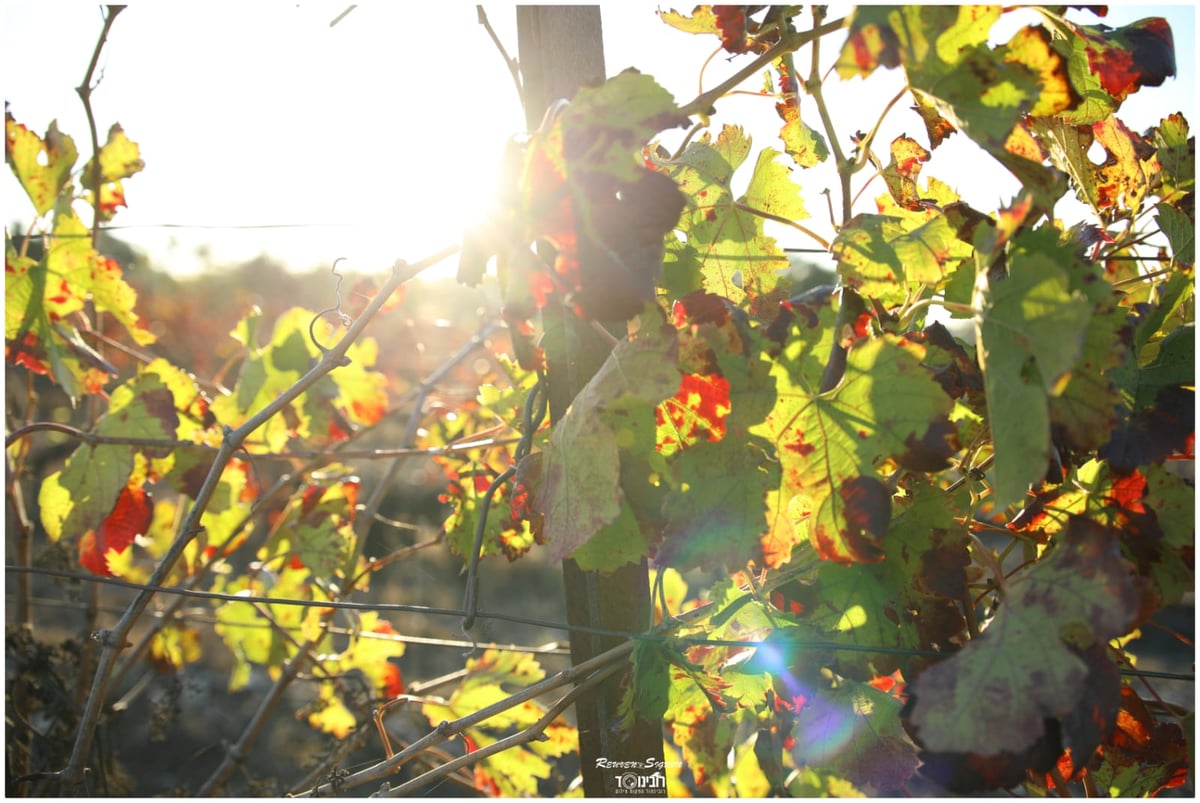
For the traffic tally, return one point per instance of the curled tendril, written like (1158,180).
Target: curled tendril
(533,413)
(343,317)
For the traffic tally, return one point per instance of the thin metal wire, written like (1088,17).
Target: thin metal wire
(433,611)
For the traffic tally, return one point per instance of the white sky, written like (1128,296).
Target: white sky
(384,129)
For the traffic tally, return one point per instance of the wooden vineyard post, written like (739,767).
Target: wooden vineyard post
(560,50)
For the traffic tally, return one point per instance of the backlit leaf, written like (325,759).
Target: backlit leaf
(802,143)
(887,257)
(43,166)
(993,696)
(735,259)
(907,601)
(1029,335)
(701,20)
(129,518)
(830,444)
(96,476)
(490,678)
(1128,58)
(579,489)
(902,171)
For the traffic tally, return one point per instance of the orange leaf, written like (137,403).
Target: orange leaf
(130,517)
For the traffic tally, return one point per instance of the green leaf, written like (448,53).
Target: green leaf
(887,258)
(830,444)
(614,545)
(253,640)
(82,495)
(1095,103)
(908,601)
(724,235)
(580,489)
(1029,335)
(854,732)
(601,123)
(1181,233)
(716,509)
(993,696)
(772,190)
(1176,153)
(647,696)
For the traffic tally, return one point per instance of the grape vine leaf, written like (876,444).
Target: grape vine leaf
(120,158)
(319,531)
(912,242)
(174,646)
(328,713)
(725,235)
(1160,402)
(855,732)
(805,145)
(830,444)
(251,638)
(1117,186)
(129,518)
(715,512)
(983,91)
(1030,333)
(702,20)
(79,498)
(1176,155)
(908,601)
(41,295)
(1128,58)
(358,395)
(579,489)
(585,189)
(1144,755)
(1180,231)
(491,678)
(371,651)
(1028,665)
(1084,413)
(716,503)
(41,165)
(902,171)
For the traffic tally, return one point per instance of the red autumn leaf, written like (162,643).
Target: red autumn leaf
(310,499)
(130,517)
(1128,58)
(1128,491)
(731,22)
(697,410)
(902,172)
(393,685)
(24,354)
(1147,754)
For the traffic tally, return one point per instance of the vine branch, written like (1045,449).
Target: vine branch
(72,774)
